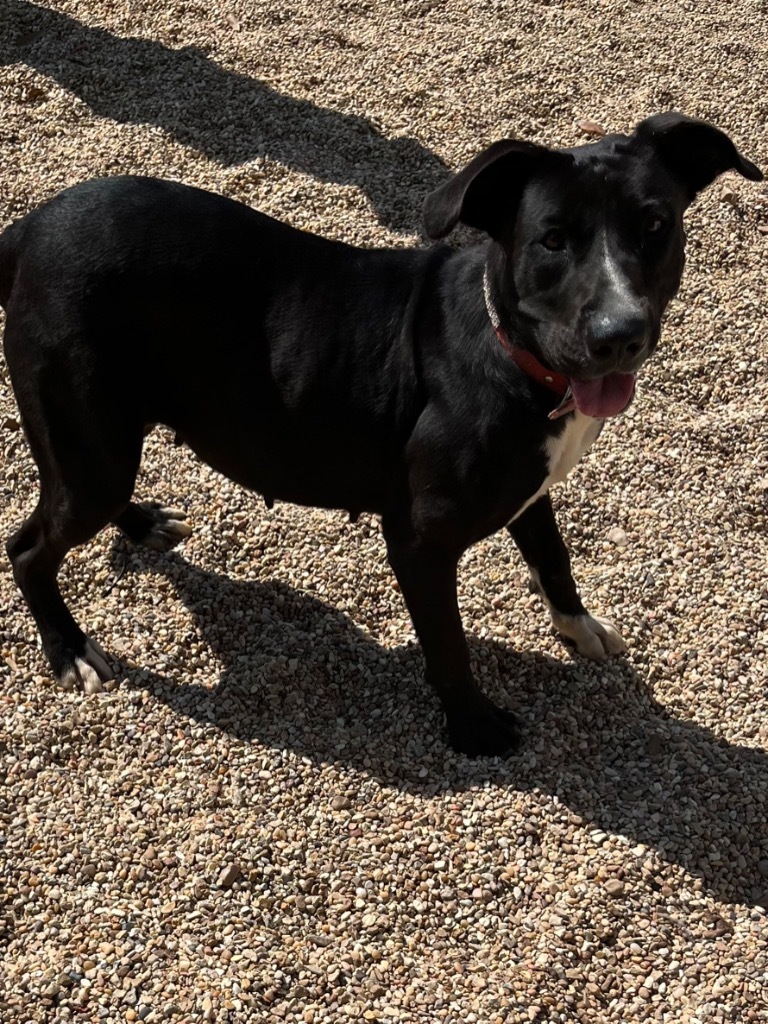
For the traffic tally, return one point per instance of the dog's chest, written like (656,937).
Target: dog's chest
(563,453)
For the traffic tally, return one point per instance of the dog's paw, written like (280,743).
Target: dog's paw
(594,638)
(88,671)
(484,730)
(169,528)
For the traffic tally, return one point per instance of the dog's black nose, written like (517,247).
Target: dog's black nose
(613,340)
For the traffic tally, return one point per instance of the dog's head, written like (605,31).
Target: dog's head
(590,242)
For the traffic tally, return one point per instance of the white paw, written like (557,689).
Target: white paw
(594,638)
(90,672)
(169,530)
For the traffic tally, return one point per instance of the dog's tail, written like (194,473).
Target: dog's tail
(8,249)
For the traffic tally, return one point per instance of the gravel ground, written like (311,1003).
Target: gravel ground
(261,821)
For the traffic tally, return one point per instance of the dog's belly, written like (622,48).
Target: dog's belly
(308,470)
(563,453)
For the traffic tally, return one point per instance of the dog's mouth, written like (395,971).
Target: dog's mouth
(604,396)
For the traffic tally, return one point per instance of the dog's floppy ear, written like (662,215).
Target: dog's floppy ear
(485,193)
(694,151)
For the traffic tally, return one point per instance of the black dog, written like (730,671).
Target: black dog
(443,390)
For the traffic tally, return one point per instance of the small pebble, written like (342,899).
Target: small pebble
(229,875)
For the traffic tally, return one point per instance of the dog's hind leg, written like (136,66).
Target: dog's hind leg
(537,536)
(88,460)
(153,526)
(36,552)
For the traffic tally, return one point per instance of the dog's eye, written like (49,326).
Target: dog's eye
(654,224)
(554,240)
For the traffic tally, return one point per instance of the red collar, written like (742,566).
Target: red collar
(529,364)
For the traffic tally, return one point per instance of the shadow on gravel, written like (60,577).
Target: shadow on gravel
(298,674)
(229,117)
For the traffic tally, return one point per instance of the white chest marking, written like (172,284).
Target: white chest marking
(563,453)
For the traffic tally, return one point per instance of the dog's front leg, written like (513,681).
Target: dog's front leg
(537,536)
(427,578)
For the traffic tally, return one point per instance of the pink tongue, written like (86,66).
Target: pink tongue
(606,396)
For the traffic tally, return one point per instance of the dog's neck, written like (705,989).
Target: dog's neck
(558,383)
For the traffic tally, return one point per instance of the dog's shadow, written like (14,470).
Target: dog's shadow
(296,673)
(229,117)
